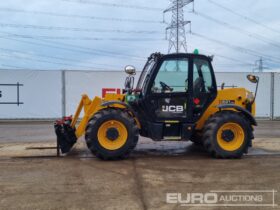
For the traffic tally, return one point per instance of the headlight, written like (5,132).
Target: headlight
(250,97)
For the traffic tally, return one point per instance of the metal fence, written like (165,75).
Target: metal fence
(26,94)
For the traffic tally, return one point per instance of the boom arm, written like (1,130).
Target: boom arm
(90,107)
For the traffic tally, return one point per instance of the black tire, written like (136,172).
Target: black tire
(196,138)
(92,129)
(212,126)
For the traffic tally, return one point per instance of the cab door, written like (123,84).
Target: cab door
(169,92)
(204,86)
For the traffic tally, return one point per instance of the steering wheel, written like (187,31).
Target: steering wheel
(165,86)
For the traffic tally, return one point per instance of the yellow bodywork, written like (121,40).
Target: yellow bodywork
(90,107)
(238,95)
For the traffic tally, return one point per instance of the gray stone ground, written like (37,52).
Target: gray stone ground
(36,179)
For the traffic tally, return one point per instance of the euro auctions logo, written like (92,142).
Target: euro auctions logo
(253,198)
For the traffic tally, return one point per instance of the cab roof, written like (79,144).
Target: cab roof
(186,55)
(181,55)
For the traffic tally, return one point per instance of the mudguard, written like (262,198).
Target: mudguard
(248,114)
(109,103)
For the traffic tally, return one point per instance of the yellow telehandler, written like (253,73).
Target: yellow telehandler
(176,98)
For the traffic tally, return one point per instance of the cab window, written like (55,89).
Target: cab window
(202,78)
(172,77)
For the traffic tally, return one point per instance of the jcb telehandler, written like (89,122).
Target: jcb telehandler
(176,98)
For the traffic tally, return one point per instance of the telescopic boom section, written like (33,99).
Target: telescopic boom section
(90,107)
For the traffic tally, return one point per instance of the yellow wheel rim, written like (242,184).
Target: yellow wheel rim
(236,139)
(119,141)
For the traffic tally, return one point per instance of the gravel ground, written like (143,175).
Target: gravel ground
(33,178)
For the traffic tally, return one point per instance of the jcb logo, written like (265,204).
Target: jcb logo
(173,108)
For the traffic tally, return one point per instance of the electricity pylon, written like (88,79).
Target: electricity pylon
(177,34)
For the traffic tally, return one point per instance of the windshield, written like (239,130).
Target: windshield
(145,73)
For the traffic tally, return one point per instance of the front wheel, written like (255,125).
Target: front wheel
(111,134)
(227,134)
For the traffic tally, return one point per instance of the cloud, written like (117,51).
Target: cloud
(110,51)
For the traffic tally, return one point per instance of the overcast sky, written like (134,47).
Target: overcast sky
(109,34)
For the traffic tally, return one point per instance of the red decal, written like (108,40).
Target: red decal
(110,90)
(196,101)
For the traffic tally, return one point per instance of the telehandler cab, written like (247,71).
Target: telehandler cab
(176,98)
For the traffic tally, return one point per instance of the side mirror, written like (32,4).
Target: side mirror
(252,78)
(130,70)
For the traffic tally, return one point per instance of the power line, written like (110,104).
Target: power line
(240,30)
(238,48)
(233,59)
(25,26)
(45,61)
(243,16)
(229,58)
(226,57)
(16,67)
(73,48)
(35,12)
(87,50)
(96,51)
(13,67)
(230,65)
(129,6)
(58,58)
(80,38)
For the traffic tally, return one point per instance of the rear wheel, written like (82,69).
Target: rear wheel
(227,134)
(111,134)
